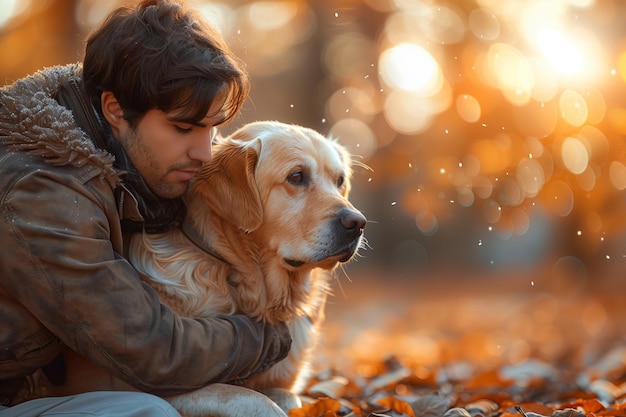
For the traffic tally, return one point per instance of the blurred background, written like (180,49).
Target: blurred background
(488,134)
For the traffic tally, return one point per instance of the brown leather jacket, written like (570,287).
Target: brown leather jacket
(64,283)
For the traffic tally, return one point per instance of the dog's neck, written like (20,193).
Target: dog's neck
(195,237)
(256,274)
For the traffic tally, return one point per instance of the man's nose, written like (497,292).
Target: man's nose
(201,147)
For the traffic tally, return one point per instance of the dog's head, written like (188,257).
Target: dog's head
(289,185)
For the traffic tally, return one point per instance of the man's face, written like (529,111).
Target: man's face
(167,152)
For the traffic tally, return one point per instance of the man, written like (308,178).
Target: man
(88,154)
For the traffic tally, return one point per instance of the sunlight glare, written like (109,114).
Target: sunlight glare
(560,50)
(10,9)
(572,52)
(409,67)
(582,3)
(7,11)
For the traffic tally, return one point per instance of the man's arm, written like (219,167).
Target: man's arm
(61,265)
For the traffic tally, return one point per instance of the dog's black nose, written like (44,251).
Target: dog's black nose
(352,221)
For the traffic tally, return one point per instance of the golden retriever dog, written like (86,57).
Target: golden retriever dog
(268,219)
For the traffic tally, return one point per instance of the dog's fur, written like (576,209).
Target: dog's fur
(268,218)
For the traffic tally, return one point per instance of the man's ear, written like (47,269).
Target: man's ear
(113,113)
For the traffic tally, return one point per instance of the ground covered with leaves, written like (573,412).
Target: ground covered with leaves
(478,347)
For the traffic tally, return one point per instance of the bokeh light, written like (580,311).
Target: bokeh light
(409,67)
(493,113)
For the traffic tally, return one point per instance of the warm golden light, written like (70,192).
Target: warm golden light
(561,51)
(484,24)
(10,9)
(511,72)
(468,108)
(409,67)
(530,176)
(558,198)
(271,15)
(617,173)
(504,111)
(573,108)
(575,155)
(355,135)
(407,112)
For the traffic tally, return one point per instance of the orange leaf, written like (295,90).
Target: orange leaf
(397,405)
(614,412)
(537,408)
(488,379)
(326,407)
(589,406)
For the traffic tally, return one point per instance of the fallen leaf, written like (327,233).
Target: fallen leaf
(483,407)
(457,412)
(431,406)
(488,379)
(568,412)
(334,387)
(536,408)
(589,406)
(398,405)
(320,407)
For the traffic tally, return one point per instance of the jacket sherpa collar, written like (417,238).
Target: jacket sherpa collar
(32,121)
(36,120)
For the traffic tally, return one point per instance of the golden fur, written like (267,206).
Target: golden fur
(270,218)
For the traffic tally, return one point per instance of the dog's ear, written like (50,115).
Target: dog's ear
(228,185)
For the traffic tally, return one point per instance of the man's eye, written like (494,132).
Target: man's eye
(183,130)
(296,177)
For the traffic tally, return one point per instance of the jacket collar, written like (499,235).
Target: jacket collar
(53,101)
(32,121)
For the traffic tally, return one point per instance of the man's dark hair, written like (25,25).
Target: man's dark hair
(159,55)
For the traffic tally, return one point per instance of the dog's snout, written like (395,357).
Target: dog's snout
(352,221)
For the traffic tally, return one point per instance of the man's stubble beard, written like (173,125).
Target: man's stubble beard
(152,173)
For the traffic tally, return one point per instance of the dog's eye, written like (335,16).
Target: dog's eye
(341,181)
(296,177)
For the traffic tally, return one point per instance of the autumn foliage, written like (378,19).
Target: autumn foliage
(573,362)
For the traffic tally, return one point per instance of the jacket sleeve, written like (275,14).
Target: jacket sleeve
(59,262)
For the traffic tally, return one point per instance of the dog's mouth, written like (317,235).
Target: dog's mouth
(294,263)
(325,259)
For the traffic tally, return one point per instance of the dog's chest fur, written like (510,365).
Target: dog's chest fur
(195,283)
